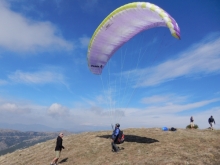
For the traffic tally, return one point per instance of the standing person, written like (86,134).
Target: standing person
(58,149)
(211,122)
(191,122)
(115,134)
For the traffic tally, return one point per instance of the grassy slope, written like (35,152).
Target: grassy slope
(142,146)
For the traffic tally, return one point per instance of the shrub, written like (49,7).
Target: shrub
(195,126)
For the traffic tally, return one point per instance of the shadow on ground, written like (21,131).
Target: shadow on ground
(63,160)
(133,138)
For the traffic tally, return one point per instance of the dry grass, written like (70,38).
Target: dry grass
(142,146)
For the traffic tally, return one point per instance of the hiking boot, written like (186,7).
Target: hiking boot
(117,150)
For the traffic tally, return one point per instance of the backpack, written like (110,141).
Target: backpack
(120,138)
(173,129)
(211,120)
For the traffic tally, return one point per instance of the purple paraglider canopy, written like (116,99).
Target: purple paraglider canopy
(120,26)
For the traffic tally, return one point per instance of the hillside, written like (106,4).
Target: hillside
(10,140)
(142,146)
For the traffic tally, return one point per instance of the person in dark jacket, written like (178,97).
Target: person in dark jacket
(191,122)
(58,149)
(211,122)
(115,134)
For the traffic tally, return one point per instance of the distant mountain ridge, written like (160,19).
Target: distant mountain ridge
(30,127)
(11,140)
(44,128)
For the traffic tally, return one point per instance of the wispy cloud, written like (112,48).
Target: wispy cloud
(163,99)
(173,104)
(18,33)
(38,77)
(203,58)
(84,41)
(3,82)
(172,108)
(88,5)
(155,99)
(105,99)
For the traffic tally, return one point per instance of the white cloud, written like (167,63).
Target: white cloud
(57,110)
(157,117)
(103,112)
(13,108)
(18,33)
(163,110)
(26,113)
(168,120)
(84,41)
(203,58)
(39,77)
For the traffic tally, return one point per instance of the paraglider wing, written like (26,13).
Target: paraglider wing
(120,26)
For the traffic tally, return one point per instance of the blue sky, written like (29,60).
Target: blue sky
(44,78)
